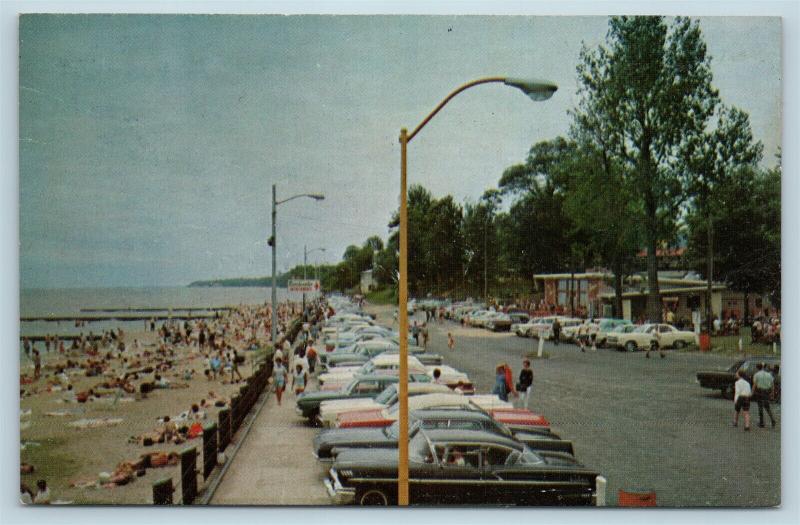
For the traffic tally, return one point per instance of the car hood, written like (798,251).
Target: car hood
(314,397)
(351,437)
(341,405)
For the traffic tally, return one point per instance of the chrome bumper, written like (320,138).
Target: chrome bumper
(339,494)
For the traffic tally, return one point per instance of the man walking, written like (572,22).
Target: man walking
(556,331)
(741,400)
(764,385)
(525,383)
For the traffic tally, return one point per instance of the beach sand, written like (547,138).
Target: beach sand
(61,454)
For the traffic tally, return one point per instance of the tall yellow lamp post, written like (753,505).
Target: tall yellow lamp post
(535,89)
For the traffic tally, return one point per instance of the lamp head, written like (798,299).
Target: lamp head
(317,196)
(536,89)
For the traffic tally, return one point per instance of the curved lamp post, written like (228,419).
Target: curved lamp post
(537,90)
(275,203)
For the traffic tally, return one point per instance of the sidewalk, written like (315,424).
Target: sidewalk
(275,466)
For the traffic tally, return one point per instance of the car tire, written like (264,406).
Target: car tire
(630,346)
(373,497)
(679,344)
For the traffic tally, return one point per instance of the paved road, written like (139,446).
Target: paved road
(644,423)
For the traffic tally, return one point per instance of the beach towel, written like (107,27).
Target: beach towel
(196,430)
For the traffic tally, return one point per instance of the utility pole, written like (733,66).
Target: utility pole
(305,262)
(274,330)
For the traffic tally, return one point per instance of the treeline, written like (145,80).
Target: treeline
(653,158)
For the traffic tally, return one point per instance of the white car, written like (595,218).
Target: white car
(572,331)
(330,410)
(545,331)
(384,363)
(648,335)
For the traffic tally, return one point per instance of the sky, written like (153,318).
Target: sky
(149,144)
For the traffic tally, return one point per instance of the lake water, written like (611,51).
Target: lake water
(70,301)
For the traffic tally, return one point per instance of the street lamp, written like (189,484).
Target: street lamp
(273,243)
(537,90)
(305,263)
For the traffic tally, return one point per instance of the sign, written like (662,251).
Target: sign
(304,285)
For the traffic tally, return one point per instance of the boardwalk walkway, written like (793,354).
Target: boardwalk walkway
(274,466)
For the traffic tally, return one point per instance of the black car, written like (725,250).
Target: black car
(723,380)
(361,386)
(465,467)
(330,442)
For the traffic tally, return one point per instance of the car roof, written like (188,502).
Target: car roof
(431,388)
(469,436)
(376,377)
(450,413)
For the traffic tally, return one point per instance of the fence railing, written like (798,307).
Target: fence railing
(216,438)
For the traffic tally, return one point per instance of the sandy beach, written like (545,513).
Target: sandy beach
(71,458)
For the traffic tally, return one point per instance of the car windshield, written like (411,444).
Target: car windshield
(645,328)
(528,457)
(393,430)
(367,368)
(387,394)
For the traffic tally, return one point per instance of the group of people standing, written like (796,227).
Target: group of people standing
(762,389)
(504,385)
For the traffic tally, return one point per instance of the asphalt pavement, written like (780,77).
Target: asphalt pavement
(644,423)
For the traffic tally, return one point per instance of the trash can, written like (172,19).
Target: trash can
(705,342)
(636,498)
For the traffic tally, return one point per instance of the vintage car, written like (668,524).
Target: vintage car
(498,321)
(467,467)
(329,411)
(652,335)
(573,331)
(723,380)
(606,326)
(361,387)
(329,442)
(388,364)
(535,325)
(545,330)
(386,416)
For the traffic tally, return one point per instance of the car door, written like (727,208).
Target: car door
(456,479)
(667,335)
(501,485)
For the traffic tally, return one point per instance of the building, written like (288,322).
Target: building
(367,282)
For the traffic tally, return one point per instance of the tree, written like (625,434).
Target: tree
(649,87)
(710,161)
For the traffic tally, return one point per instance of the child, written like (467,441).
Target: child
(451,342)
(279,376)
(741,400)
(299,379)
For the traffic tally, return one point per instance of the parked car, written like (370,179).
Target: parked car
(388,364)
(469,467)
(361,387)
(329,411)
(568,326)
(497,322)
(387,416)
(607,326)
(528,329)
(329,442)
(649,335)
(723,380)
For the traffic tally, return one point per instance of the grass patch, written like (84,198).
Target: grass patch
(383,296)
(729,345)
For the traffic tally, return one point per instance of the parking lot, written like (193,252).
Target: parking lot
(643,423)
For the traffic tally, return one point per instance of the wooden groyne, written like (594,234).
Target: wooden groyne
(115,317)
(40,338)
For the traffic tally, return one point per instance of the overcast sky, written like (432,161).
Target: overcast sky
(149,144)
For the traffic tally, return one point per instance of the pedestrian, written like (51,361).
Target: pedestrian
(311,355)
(415,332)
(451,342)
(425,335)
(299,379)
(25,494)
(764,386)
(556,331)
(235,367)
(741,400)
(279,377)
(37,364)
(500,388)
(525,383)
(42,493)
